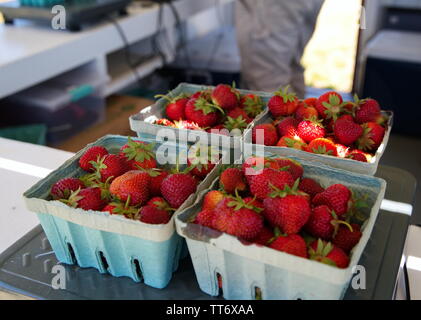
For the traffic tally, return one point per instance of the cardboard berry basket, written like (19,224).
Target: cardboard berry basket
(109,243)
(244,267)
(368,168)
(142,123)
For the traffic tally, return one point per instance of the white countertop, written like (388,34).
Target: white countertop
(21,166)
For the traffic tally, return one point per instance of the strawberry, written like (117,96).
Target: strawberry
(237,113)
(358,156)
(292,142)
(175,107)
(120,208)
(310,186)
(293,167)
(372,136)
(311,102)
(138,154)
(287,209)
(323,223)
(252,105)
(187,125)
(254,165)
(347,239)
(201,160)
(202,112)
(257,204)
(64,187)
(347,131)
(232,180)
(156,178)
(237,218)
(177,187)
(261,185)
(322,146)
(205,218)
(310,129)
(329,105)
(110,167)
(283,103)
(92,154)
(159,203)
(86,199)
(293,244)
(287,127)
(265,133)
(368,110)
(264,237)
(306,111)
(153,215)
(235,124)
(329,254)
(164,122)
(133,186)
(337,197)
(225,96)
(211,199)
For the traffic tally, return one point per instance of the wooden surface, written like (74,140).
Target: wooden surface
(119,109)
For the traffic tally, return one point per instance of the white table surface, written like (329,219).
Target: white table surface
(21,165)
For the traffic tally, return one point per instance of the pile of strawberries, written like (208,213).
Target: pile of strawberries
(130,183)
(325,125)
(279,208)
(221,108)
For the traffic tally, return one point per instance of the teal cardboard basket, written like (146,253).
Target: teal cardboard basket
(110,243)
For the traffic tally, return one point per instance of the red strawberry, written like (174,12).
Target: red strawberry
(372,136)
(305,111)
(254,166)
(202,112)
(205,218)
(283,103)
(156,178)
(264,237)
(287,127)
(211,199)
(347,239)
(261,185)
(164,122)
(235,125)
(329,254)
(252,105)
(287,210)
(133,184)
(177,187)
(92,154)
(368,110)
(310,186)
(153,215)
(346,131)
(265,133)
(64,187)
(138,154)
(225,96)
(293,167)
(292,142)
(175,107)
(311,102)
(127,211)
(201,160)
(329,105)
(322,223)
(86,199)
(310,129)
(257,204)
(160,203)
(235,217)
(358,156)
(337,197)
(292,244)
(232,179)
(110,167)
(238,112)
(322,146)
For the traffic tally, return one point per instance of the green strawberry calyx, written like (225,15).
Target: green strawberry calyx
(139,152)
(365,142)
(278,193)
(235,123)
(238,203)
(277,233)
(253,106)
(173,99)
(73,199)
(322,150)
(285,95)
(333,107)
(321,252)
(202,104)
(315,121)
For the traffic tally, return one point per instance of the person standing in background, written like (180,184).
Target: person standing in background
(272,36)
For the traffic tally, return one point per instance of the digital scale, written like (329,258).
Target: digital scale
(78,12)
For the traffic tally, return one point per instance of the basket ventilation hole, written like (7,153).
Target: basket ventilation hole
(72,253)
(137,269)
(219,283)
(104,262)
(258,293)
